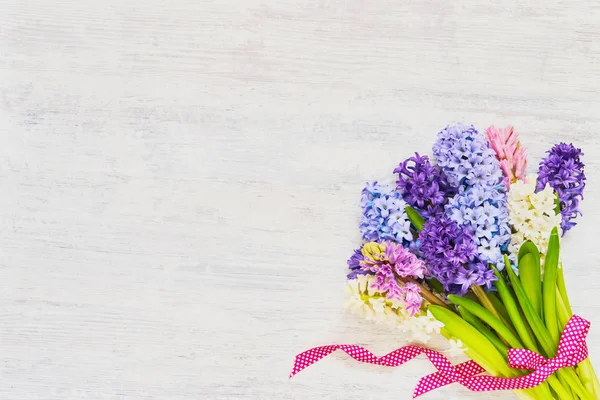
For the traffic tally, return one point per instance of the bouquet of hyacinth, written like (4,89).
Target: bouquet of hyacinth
(466,245)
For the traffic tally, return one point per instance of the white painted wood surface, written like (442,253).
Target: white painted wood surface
(180,179)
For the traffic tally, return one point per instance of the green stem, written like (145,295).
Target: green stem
(560,281)
(485,331)
(588,377)
(549,285)
(497,303)
(569,376)
(488,305)
(501,329)
(435,285)
(563,391)
(473,340)
(561,309)
(513,311)
(530,275)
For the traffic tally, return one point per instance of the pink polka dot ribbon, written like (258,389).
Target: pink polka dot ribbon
(572,350)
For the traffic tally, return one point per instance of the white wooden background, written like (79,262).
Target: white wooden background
(180,179)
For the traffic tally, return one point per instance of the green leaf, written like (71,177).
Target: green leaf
(478,358)
(513,311)
(491,336)
(489,318)
(559,388)
(563,289)
(589,377)
(531,275)
(549,285)
(536,323)
(473,340)
(415,218)
(561,310)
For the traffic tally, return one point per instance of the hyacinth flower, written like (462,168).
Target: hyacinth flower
(384,214)
(509,152)
(532,215)
(465,157)
(363,299)
(451,256)
(390,260)
(480,205)
(483,211)
(366,301)
(563,170)
(354,264)
(394,268)
(384,286)
(423,185)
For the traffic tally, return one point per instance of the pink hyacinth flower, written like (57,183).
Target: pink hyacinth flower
(412,298)
(509,152)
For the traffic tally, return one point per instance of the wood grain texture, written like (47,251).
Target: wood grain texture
(180,180)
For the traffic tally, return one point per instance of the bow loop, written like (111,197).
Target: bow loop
(572,347)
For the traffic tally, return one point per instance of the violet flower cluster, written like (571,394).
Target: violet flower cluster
(423,185)
(451,256)
(563,170)
(384,214)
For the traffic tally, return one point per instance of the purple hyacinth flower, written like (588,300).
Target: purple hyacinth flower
(451,255)
(354,264)
(563,170)
(423,185)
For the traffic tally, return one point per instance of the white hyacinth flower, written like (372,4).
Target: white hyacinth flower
(532,215)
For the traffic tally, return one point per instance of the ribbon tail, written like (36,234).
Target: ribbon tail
(310,357)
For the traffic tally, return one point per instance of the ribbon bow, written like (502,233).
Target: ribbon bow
(571,351)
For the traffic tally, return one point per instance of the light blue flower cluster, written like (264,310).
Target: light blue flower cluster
(472,169)
(484,210)
(384,214)
(466,158)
